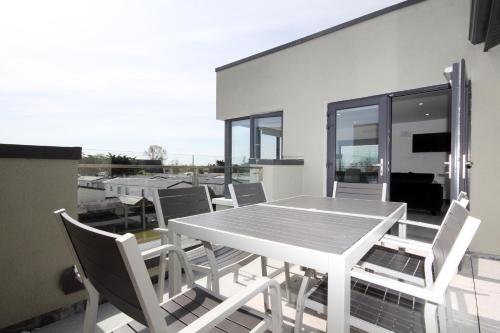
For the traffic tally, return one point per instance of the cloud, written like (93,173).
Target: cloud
(123,74)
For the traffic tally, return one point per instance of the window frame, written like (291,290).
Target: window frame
(228,142)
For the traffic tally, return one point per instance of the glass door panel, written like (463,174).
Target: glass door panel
(357,145)
(358,133)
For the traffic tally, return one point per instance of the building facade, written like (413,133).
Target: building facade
(406,47)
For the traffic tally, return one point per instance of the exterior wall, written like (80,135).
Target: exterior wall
(282,181)
(403,49)
(32,251)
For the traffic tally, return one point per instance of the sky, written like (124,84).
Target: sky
(121,75)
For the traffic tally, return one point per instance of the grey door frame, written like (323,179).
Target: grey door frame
(331,147)
(383,101)
(460,130)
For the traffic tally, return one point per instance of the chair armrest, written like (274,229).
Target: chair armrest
(405,288)
(165,249)
(409,244)
(420,224)
(161,230)
(213,317)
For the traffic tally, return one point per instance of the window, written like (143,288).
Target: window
(240,141)
(249,138)
(268,137)
(111,188)
(256,137)
(119,190)
(126,191)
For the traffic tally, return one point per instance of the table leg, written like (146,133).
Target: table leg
(403,227)
(339,296)
(174,266)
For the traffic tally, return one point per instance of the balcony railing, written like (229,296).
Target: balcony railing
(119,196)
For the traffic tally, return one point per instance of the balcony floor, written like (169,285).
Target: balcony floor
(462,301)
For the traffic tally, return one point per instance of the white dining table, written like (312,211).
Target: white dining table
(327,234)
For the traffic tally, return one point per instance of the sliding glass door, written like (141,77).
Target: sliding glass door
(358,139)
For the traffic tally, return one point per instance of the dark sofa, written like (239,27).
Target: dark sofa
(417,190)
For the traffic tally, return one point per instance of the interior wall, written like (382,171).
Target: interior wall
(404,160)
(404,49)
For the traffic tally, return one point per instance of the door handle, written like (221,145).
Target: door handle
(380,166)
(465,165)
(449,166)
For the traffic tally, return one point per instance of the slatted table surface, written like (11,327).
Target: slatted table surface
(327,234)
(340,205)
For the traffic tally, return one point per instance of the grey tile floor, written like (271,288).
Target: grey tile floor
(471,302)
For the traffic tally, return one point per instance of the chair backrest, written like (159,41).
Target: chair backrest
(100,261)
(359,191)
(451,242)
(247,194)
(447,235)
(180,202)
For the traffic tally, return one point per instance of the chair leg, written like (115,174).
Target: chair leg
(287,282)
(90,320)
(430,315)
(209,281)
(443,327)
(161,277)
(301,299)
(235,276)
(263,265)
(215,284)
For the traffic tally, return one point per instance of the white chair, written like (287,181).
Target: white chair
(213,260)
(113,266)
(383,303)
(359,191)
(252,194)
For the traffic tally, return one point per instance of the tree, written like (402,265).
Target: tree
(155,152)
(123,160)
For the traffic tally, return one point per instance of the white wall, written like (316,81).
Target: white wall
(282,181)
(404,49)
(404,160)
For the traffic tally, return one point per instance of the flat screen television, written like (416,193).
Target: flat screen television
(431,142)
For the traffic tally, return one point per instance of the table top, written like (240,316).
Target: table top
(324,231)
(340,205)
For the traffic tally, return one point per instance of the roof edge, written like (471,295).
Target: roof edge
(321,33)
(40,152)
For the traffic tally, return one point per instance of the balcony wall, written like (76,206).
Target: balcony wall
(35,182)
(282,180)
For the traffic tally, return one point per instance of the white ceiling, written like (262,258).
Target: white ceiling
(436,105)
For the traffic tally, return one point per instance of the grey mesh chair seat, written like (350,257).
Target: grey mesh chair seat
(224,256)
(399,261)
(379,306)
(185,308)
